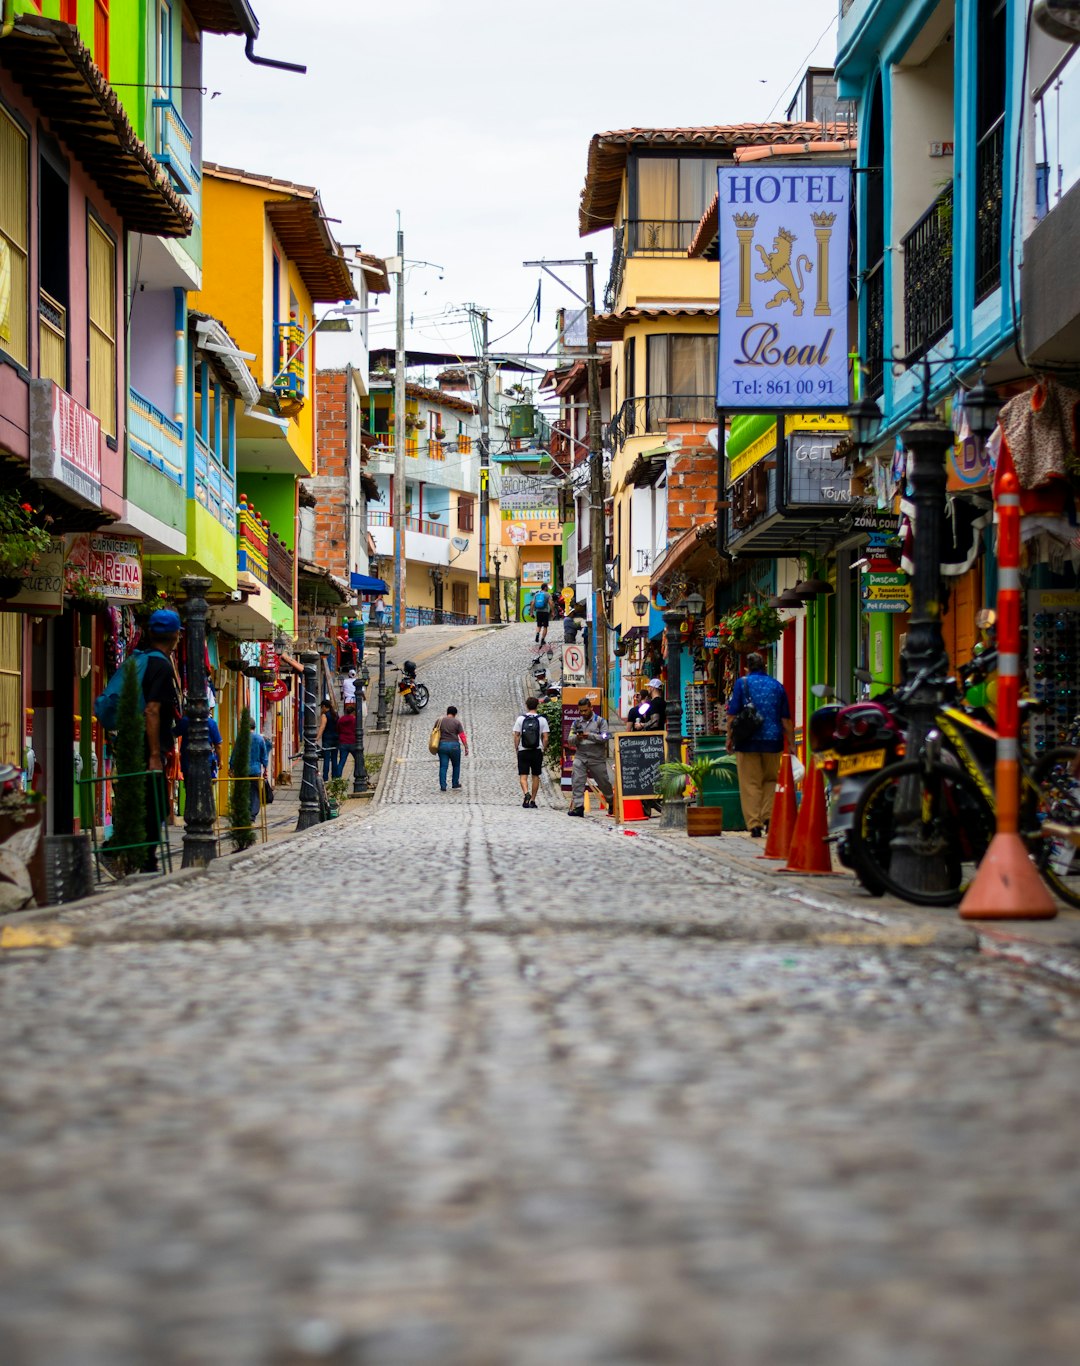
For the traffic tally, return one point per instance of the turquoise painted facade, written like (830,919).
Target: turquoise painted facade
(926,78)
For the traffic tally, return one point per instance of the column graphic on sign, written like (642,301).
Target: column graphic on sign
(744,227)
(823,227)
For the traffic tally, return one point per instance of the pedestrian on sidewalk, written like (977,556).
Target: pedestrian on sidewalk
(635,717)
(161,711)
(326,737)
(258,760)
(452,741)
(378,608)
(541,603)
(654,714)
(757,747)
(346,739)
(348,687)
(531,732)
(588,737)
(571,629)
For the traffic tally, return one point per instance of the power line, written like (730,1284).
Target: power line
(802,65)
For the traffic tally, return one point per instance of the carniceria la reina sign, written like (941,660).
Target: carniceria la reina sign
(783,287)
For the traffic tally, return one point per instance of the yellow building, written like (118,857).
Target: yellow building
(269,260)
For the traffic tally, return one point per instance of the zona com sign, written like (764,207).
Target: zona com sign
(783,234)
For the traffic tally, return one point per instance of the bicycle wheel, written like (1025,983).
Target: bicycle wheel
(920,830)
(1052,793)
(528,612)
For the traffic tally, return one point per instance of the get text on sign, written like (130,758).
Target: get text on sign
(783,287)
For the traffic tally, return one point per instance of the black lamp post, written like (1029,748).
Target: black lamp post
(200,846)
(498,560)
(309,786)
(380,717)
(674,812)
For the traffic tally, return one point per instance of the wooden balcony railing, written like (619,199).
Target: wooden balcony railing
(279,564)
(52,339)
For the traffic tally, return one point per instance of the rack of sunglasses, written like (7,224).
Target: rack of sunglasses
(1053,665)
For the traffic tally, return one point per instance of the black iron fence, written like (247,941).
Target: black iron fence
(989,173)
(618,266)
(928,276)
(650,413)
(874,294)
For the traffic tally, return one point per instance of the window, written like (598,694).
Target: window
(14,240)
(680,379)
(101,283)
(164,50)
(465,512)
(101,36)
(669,195)
(54,255)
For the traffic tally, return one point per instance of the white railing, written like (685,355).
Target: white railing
(1057,153)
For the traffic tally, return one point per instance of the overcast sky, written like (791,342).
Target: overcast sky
(474,121)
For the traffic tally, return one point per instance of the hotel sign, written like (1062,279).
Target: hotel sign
(783,288)
(65,444)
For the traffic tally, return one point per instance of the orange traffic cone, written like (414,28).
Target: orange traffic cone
(1006,886)
(784,812)
(810,852)
(633,810)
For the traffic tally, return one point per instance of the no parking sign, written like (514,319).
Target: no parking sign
(573,664)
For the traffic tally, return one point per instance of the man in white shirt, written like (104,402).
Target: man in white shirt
(348,687)
(531,732)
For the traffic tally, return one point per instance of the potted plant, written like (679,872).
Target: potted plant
(748,627)
(22,543)
(337,789)
(675,778)
(440,433)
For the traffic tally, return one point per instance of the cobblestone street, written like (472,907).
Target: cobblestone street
(449,1081)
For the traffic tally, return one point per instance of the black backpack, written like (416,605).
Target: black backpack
(530,731)
(746,722)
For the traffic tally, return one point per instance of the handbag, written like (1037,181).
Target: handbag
(268,792)
(746,722)
(433,738)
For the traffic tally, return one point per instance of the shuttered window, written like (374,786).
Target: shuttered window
(101,36)
(101,275)
(11,717)
(14,239)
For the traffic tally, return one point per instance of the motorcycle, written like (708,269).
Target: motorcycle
(852,742)
(415,695)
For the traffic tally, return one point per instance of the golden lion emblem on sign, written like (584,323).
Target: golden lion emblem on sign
(778,266)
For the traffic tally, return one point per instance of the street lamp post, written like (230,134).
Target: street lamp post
(380,717)
(309,786)
(496,608)
(200,846)
(674,811)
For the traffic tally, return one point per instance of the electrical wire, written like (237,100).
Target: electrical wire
(802,66)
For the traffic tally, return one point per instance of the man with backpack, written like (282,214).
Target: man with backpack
(531,733)
(758,725)
(541,605)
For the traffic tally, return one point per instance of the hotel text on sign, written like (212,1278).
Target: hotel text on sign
(783,288)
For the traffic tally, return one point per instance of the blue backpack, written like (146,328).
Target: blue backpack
(541,600)
(107,705)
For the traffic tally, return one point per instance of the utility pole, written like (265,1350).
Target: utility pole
(398,513)
(596,493)
(484,584)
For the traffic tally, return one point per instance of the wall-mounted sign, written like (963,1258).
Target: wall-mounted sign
(814,477)
(527,531)
(42,593)
(536,571)
(967,466)
(573,664)
(783,287)
(65,444)
(111,565)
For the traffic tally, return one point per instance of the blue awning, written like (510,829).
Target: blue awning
(364,583)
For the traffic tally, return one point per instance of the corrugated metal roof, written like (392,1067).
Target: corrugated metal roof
(608,153)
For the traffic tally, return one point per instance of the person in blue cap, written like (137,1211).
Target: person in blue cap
(161,712)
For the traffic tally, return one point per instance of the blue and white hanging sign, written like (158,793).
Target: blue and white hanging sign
(783,237)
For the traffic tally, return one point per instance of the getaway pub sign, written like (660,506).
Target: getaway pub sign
(783,288)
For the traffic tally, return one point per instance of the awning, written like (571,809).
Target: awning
(364,583)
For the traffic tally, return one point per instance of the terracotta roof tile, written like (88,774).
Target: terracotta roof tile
(611,326)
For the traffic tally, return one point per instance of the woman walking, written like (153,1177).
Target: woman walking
(452,740)
(346,740)
(327,737)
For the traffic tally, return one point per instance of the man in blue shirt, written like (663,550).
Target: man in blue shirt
(541,602)
(757,754)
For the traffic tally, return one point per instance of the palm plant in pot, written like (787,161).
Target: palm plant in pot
(675,778)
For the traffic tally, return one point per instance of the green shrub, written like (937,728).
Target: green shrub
(241,826)
(129,785)
(551,710)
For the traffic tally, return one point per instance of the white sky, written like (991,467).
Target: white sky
(474,121)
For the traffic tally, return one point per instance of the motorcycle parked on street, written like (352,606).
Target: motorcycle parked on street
(415,695)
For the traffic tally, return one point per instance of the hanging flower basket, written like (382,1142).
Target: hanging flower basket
(749,628)
(22,542)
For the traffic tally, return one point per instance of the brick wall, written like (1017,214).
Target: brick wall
(330,484)
(691,478)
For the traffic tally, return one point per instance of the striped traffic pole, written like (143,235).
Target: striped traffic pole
(1007,885)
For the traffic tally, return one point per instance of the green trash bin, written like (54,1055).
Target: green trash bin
(717,792)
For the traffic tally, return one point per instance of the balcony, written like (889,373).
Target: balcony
(289,350)
(928,277)
(420,524)
(52,340)
(425,541)
(650,413)
(252,543)
(279,563)
(874,294)
(172,145)
(155,438)
(618,270)
(989,202)
(215,487)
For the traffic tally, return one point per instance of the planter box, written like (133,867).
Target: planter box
(704,820)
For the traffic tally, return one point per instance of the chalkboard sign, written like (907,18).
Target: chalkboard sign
(638,756)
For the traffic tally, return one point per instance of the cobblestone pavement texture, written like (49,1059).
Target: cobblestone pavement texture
(450,1081)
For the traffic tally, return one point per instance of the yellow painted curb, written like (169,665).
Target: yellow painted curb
(35,937)
(915,939)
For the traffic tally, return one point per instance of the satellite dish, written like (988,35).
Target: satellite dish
(713,438)
(459,542)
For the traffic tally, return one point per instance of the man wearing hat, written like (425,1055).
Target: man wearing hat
(161,712)
(348,687)
(655,710)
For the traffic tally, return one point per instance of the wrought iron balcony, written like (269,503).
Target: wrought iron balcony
(172,145)
(874,295)
(989,173)
(290,359)
(650,413)
(618,268)
(155,438)
(659,236)
(928,276)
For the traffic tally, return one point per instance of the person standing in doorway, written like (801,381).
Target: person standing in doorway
(346,738)
(758,747)
(452,741)
(541,604)
(531,733)
(588,737)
